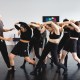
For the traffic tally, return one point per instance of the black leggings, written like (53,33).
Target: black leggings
(4,53)
(34,43)
(50,47)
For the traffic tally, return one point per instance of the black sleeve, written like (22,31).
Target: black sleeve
(17,27)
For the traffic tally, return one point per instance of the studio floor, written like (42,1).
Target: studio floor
(48,74)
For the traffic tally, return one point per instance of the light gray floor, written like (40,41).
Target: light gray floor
(50,74)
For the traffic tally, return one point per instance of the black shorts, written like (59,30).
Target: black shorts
(63,42)
(71,46)
(20,49)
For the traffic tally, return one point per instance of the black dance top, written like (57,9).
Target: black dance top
(54,36)
(24,35)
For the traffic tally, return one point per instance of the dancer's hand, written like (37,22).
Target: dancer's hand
(12,29)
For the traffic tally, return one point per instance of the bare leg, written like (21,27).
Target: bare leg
(64,53)
(30,60)
(76,57)
(11,58)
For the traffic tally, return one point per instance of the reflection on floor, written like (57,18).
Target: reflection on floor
(48,74)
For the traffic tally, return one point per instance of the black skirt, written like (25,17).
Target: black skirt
(20,49)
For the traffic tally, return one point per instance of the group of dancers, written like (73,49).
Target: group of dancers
(64,37)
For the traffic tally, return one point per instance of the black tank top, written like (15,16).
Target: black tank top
(54,36)
(26,35)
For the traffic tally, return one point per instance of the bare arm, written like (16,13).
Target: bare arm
(34,24)
(6,39)
(43,29)
(63,23)
(54,26)
(6,30)
(75,26)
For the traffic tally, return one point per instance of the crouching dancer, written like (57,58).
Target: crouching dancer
(22,46)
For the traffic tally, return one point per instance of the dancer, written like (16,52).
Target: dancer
(35,40)
(52,46)
(21,47)
(71,45)
(3,47)
(62,43)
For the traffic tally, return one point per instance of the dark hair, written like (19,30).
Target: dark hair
(77,23)
(24,25)
(31,26)
(17,27)
(65,20)
(49,25)
(70,25)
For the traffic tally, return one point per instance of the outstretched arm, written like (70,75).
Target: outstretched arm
(6,39)
(6,30)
